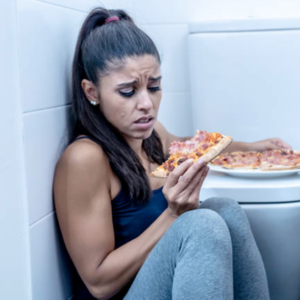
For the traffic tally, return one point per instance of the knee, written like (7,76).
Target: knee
(207,226)
(221,205)
(233,214)
(197,218)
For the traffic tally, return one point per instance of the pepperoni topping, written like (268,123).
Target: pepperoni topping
(171,168)
(204,146)
(181,160)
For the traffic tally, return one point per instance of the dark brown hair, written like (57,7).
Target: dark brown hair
(99,47)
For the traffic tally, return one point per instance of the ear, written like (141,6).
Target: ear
(90,90)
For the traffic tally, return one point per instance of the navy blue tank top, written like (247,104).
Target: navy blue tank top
(129,220)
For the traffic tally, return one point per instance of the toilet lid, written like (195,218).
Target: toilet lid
(251,190)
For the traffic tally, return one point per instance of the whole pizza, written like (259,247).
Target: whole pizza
(266,161)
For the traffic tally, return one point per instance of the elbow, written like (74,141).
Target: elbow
(100,285)
(100,292)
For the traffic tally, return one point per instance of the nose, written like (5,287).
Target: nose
(144,101)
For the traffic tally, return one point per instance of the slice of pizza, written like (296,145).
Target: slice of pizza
(203,145)
(280,160)
(238,160)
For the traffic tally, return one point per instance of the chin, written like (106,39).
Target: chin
(144,135)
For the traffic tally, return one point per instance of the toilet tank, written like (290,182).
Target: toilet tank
(245,78)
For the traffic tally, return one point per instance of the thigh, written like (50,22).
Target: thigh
(155,278)
(194,253)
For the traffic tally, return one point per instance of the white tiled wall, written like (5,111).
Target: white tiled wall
(46,44)
(14,238)
(171,41)
(174,111)
(49,268)
(47,32)
(44,137)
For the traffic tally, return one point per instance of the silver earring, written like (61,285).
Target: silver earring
(94,103)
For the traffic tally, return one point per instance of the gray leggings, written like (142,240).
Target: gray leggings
(208,253)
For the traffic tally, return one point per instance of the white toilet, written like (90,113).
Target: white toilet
(245,78)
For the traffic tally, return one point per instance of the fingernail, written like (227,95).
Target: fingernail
(190,160)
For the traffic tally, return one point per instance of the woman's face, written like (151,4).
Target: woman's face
(130,96)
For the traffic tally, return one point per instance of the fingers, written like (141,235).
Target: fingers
(197,181)
(270,144)
(196,191)
(179,171)
(280,144)
(189,175)
(193,190)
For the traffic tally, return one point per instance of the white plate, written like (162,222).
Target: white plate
(256,173)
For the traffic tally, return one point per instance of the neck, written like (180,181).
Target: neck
(136,146)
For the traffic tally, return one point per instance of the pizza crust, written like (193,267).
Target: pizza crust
(238,168)
(278,167)
(160,173)
(214,151)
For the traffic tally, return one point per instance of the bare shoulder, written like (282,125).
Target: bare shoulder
(83,153)
(84,166)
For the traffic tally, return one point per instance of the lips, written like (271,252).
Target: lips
(144,119)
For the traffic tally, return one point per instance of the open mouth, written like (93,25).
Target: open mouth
(143,120)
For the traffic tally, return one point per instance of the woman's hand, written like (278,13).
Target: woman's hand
(268,144)
(183,186)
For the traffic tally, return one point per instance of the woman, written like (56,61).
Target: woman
(130,235)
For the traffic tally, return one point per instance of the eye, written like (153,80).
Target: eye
(154,89)
(127,93)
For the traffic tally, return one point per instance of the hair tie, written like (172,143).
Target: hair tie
(111,19)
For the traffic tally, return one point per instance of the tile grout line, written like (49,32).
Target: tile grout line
(55,4)
(41,219)
(70,105)
(44,109)
(86,12)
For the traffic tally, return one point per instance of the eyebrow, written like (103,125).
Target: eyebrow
(155,78)
(127,83)
(124,84)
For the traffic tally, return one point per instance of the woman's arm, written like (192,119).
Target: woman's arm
(83,206)
(267,144)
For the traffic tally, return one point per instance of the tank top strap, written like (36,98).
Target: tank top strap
(84,137)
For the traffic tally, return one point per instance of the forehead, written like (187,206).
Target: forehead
(136,67)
